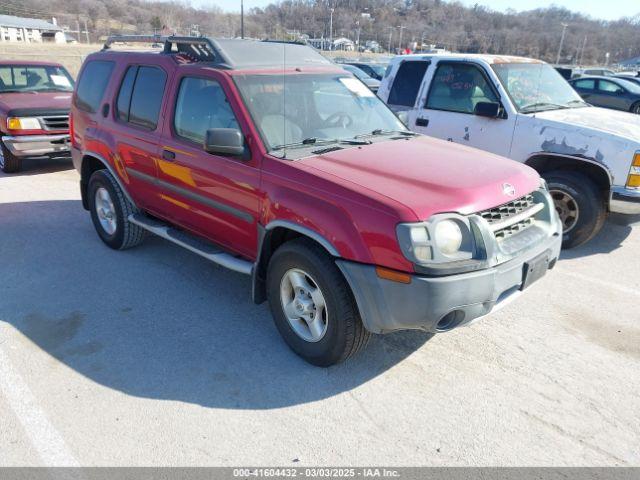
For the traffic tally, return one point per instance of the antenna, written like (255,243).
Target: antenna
(284,93)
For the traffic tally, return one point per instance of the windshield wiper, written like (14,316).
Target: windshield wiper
(578,102)
(542,104)
(380,131)
(321,141)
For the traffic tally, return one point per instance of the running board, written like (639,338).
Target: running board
(192,243)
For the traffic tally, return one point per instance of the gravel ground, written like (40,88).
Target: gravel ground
(155,357)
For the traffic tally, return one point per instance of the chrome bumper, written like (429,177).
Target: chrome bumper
(37,145)
(625,200)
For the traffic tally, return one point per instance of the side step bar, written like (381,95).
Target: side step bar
(190,242)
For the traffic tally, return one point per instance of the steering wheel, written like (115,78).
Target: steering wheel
(339,119)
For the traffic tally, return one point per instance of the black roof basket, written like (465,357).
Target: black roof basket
(200,49)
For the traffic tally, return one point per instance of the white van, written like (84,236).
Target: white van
(523,109)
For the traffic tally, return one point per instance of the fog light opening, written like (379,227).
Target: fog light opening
(450,321)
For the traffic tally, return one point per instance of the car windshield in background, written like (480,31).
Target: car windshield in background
(535,87)
(310,109)
(630,85)
(34,78)
(357,72)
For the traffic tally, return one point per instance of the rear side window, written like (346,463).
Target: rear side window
(407,83)
(140,96)
(201,105)
(146,98)
(93,82)
(589,84)
(124,97)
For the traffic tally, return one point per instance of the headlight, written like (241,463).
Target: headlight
(448,237)
(23,123)
(443,238)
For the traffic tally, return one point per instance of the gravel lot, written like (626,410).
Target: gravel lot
(155,357)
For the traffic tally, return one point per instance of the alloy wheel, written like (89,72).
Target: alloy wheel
(106,211)
(567,209)
(304,305)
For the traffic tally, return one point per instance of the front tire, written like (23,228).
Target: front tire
(9,163)
(635,108)
(110,211)
(312,305)
(580,205)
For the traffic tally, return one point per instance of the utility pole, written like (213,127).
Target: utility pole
(331,29)
(241,18)
(401,27)
(584,44)
(390,34)
(86,31)
(564,30)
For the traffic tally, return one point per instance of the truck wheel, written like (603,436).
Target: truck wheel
(312,304)
(580,205)
(109,212)
(9,163)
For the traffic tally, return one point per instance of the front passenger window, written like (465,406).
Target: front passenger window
(459,87)
(201,105)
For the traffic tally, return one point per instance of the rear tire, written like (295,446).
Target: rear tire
(340,332)
(635,108)
(9,163)
(580,205)
(110,211)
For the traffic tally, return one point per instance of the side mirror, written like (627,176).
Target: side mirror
(487,109)
(224,141)
(403,117)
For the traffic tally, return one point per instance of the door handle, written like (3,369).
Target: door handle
(168,155)
(422,122)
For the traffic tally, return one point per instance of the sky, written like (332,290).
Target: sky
(607,10)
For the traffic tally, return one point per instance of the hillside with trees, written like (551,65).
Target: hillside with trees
(476,29)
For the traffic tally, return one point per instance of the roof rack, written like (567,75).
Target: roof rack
(200,49)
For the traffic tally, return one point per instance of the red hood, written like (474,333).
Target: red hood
(36,100)
(428,175)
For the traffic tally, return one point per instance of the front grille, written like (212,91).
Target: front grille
(55,122)
(513,217)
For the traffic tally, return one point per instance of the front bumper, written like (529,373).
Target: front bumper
(38,145)
(386,306)
(625,200)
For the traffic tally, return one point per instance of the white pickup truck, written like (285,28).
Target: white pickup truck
(523,109)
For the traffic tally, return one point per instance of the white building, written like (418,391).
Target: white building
(29,30)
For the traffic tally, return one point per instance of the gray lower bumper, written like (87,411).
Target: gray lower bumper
(37,145)
(386,306)
(625,200)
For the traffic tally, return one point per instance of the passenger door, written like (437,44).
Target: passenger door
(448,112)
(406,85)
(135,131)
(214,195)
(611,95)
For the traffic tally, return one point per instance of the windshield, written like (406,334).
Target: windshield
(379,68)
(34,78)
(312,108)
(357,72)
(534,87)
(630,85)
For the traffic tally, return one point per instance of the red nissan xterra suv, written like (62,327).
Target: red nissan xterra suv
(35,98)
(270,160)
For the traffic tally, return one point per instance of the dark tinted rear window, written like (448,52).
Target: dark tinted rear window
(92,84)
(146,98)
(124,97)
(407,83)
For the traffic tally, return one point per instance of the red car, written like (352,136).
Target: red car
(35,98)
(298,175)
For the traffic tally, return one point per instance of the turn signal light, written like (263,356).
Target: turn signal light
(23,123)
(393,275)
(634,175)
